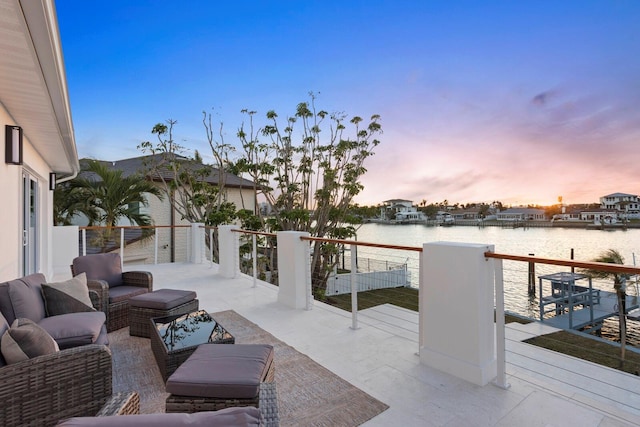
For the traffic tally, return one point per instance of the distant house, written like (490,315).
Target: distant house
(599,215)
(625,205)
(568,215)
(472,213)
(521,214)
(401,210)
(240,191)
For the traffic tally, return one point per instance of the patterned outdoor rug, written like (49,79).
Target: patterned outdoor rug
(308,393)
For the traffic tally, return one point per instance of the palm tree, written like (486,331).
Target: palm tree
(69,202)
(612,256)
(114,196)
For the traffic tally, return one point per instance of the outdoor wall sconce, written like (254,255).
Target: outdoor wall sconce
(13,145)
(52,181)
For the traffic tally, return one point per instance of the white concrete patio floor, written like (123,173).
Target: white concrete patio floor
(547,388)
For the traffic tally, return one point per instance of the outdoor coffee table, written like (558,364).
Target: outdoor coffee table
(175,338)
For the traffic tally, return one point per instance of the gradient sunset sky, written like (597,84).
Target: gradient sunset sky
(517,101)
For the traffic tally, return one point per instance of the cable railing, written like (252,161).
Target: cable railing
(152,244)
(256,254)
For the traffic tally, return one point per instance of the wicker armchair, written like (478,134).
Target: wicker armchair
(113,286)
(69,383)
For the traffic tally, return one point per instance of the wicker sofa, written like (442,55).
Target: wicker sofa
(74,381)
(42,390)
(114,287)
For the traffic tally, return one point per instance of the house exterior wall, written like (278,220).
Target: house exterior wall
(13,201)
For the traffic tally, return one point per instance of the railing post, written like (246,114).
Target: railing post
(460,292)
(155,249)
(197,238)
(84,242)
(294,272)
(122,247)
(354,289)
(211,245)
(501,361)
(255,260)
(228,245)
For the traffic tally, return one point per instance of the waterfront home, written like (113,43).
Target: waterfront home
(625,205)
(401,211)
(471,213)
(600,215)
(521,214)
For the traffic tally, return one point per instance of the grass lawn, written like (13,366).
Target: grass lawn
(577,345)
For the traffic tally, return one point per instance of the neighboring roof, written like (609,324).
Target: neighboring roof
(395,201)
(138,165)
(33,87)
(620,195)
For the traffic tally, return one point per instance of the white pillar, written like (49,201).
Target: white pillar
(294,273)
(229,246)
(456,307)
(64,250)
(197,243)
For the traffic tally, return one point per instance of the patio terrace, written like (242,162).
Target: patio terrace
(380,357)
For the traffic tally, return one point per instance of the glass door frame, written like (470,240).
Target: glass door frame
(30,223)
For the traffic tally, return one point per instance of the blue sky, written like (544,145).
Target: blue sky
(517,101)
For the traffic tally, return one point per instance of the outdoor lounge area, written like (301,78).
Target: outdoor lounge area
(380,359)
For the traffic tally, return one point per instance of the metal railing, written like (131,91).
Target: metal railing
(526,261)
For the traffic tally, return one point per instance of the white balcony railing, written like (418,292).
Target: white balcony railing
(461,284)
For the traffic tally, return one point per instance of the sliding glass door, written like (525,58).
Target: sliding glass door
(30,226)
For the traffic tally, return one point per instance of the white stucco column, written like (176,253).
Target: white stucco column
(294,270)
(198,246)
(64,249)
(229,245)
(456,307)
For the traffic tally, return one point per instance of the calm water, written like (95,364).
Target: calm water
(543,242)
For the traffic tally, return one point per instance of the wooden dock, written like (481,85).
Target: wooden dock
(580,318)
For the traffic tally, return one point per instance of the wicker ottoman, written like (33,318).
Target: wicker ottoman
(220,376)
(160,303)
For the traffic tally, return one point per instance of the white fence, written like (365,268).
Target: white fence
(341,283)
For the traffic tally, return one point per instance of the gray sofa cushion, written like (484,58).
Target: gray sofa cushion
(25,340)
(230,417)
(100,267)
(26,297)
(222,371)
(71,296)
(163,299)
(74,329)
(124,292)
(4,325)
(5,303)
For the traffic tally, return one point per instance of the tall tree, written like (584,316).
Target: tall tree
(619,284)
(308,170)
(186,181)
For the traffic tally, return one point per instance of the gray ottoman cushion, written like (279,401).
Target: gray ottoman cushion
(232,371)
(162,299)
